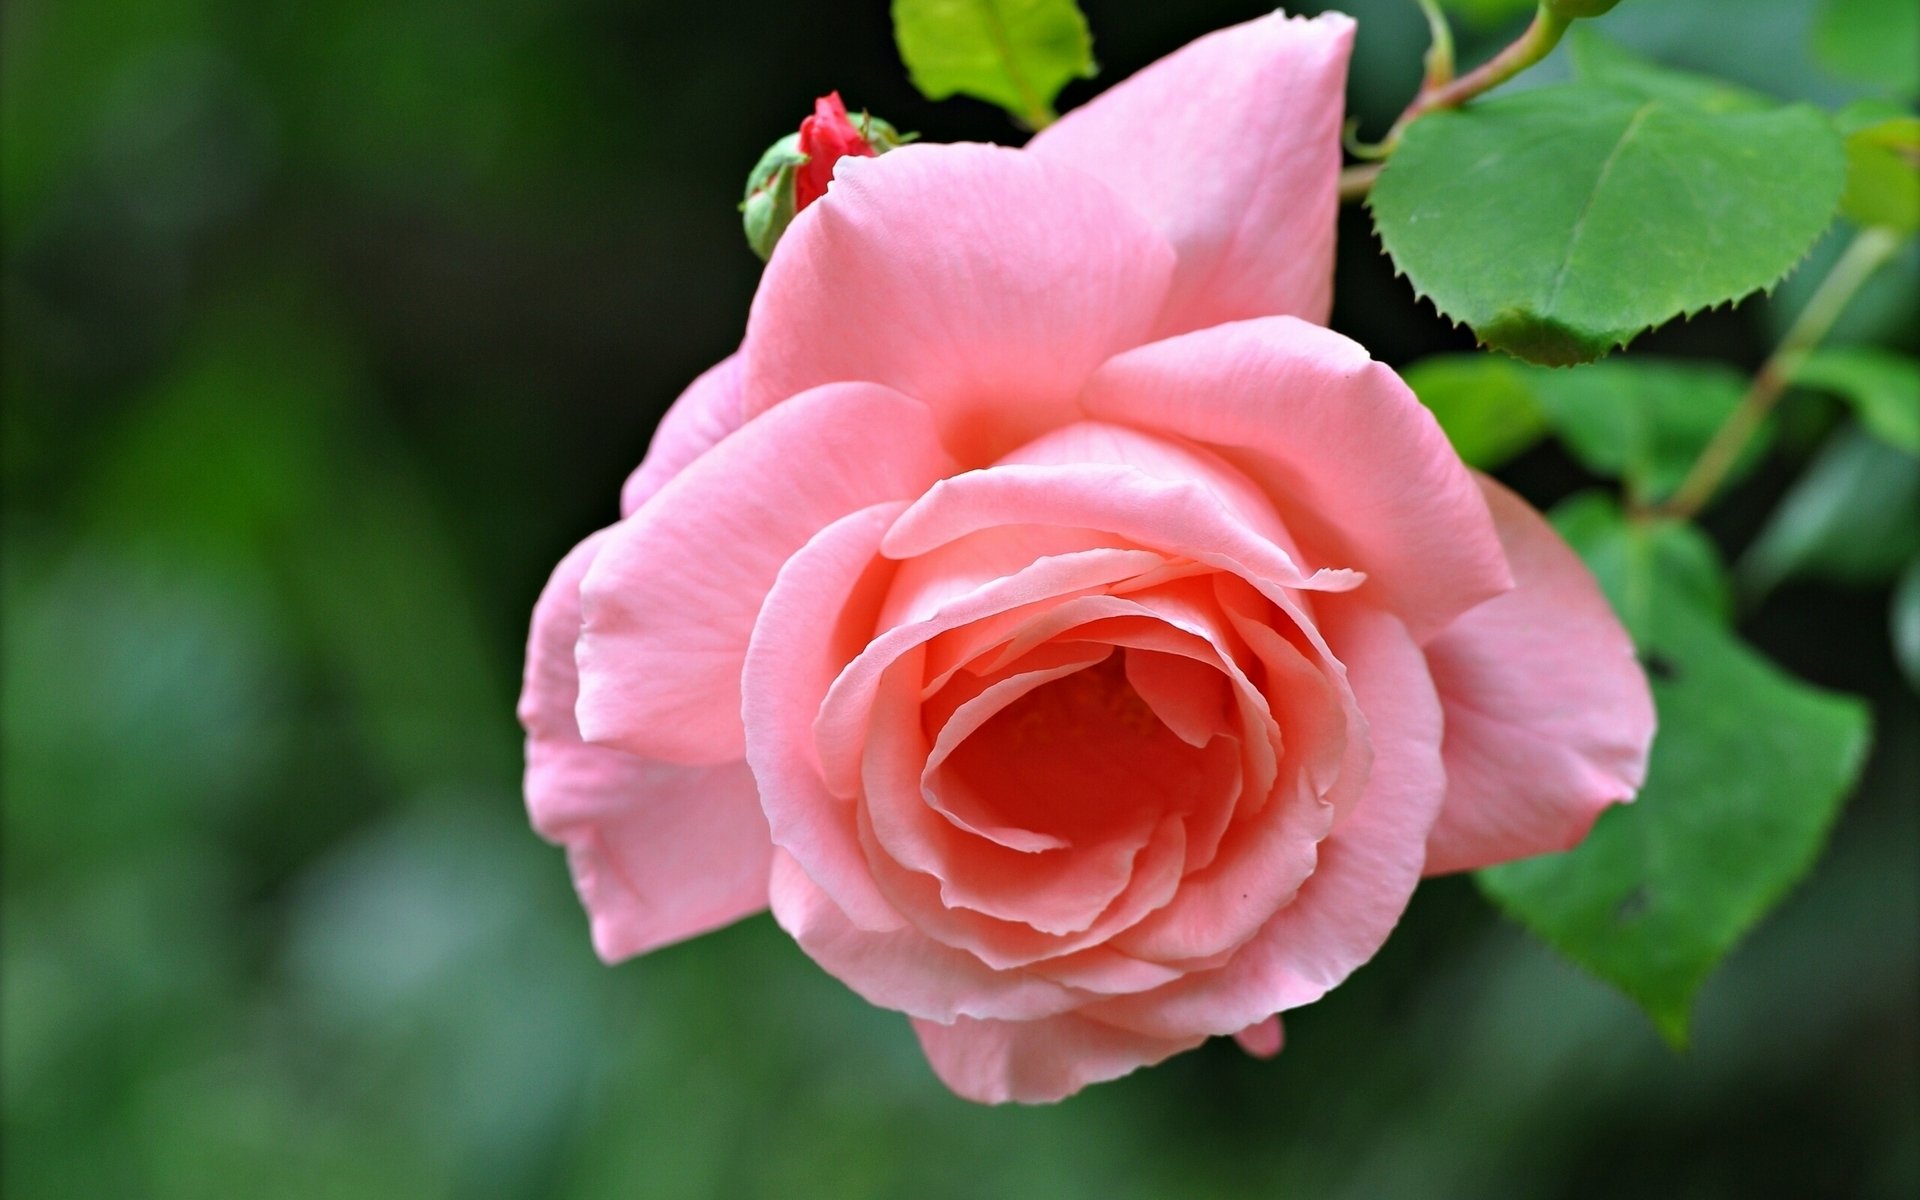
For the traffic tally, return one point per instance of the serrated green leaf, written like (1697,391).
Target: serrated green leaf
(1905,622)
(1852,517)
(1484,403)
(1748,773)
(1014,53)
(1561,223)
(1882,386)
(1644,420)
(1665,564)
(1883,167)
(1597,60)
(1871,41)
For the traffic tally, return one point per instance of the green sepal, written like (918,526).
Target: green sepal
(879,134)
(771,201)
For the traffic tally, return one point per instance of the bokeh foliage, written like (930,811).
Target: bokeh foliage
(329,327)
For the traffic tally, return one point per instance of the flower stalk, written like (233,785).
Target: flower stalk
(1441,89)
(1356,181)
(1439,60)
(1538,41)
(1869,249)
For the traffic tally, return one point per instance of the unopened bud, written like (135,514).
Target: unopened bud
(795,171)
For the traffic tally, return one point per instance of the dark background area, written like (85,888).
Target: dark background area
(329,327)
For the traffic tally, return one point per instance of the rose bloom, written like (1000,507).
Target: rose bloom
(1077,646)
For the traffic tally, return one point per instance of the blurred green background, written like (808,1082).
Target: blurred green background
(329,327)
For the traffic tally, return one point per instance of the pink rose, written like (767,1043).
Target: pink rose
(1078,647)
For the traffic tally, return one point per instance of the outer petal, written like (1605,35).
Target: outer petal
(704,415)
(1173,515)
(983,280)
(903,968)
(1037,1062)
(1358,469)
(1548,714)
(671,601)
(1263,1040)
(819,614)
(1231,146)
(1174,460)
(659,852)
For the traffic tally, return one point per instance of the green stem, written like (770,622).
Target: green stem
(1357,181)
(1440,51)
(1529,48)
(1864,255)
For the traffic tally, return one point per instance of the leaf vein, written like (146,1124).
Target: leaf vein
(1036,112)
(1600,181)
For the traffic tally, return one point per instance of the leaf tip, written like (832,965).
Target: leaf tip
(1674,1021)
(1544,340)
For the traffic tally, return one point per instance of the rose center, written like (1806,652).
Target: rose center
(1080,758)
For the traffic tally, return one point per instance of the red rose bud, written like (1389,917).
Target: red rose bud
(826,137)
(795,171)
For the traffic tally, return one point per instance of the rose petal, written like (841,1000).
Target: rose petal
(1548,714)
(1174,619)
(1080,756)
(659,852)
(1015,943)
(1262,1039)
(1059,892)
(901,968)
(1176,516)
(1188,697)
(1039,1061)
(840,729)
(671,600)
(948,795)
(819,613)
(1260,863)
(1105,970)
(989,644)
(1367,867)
(1166,458)
(704,415)
(927,582)
(1231,146)
(983,280)
(1357,467)
(1321,722)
